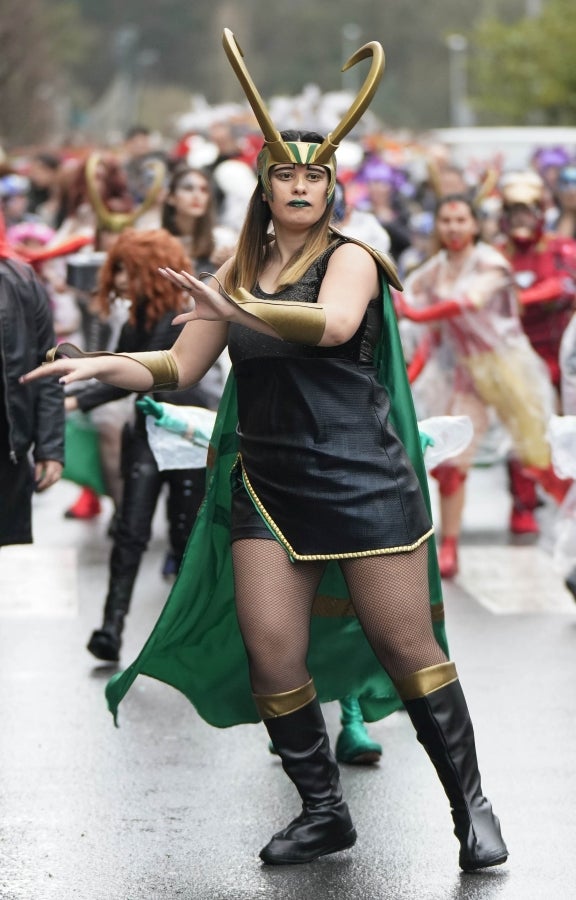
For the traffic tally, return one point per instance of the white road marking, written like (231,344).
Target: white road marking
(38,581)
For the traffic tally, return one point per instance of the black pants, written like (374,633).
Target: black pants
(16,490)
(143,482)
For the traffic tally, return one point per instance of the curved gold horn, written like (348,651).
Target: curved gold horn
(280,151)
(362,101)
(98,204)
(434,177)
(487,185)
(118,221)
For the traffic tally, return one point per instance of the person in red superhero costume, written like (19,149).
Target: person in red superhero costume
(544,267)
(465,297)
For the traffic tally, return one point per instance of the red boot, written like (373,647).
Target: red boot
(87,506)
(524,499)
(555,487)
(448,557)
(523,521)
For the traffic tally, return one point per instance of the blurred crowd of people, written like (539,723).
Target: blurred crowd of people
(489,265)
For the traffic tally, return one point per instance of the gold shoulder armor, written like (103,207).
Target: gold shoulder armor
(383,261)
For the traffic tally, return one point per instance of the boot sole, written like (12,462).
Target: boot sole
(474,867)
(106,654)
(367,758)
(272,860)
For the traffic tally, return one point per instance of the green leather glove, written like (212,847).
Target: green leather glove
(426,441)
(163,420)
(150,407)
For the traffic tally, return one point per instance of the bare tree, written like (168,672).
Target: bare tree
(26,73)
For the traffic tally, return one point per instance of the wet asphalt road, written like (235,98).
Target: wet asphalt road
(166,807)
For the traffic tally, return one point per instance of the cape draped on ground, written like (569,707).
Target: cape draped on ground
(196,644)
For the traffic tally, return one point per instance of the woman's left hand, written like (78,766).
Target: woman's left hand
(205,302)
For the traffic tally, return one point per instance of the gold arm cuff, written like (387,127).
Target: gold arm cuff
(292,320)
(161,365)
(426,681)
(271,706)
(300,323)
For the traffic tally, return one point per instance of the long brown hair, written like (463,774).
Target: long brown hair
(253,246)
(141,253)
(202,229)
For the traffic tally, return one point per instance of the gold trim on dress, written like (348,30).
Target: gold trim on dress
(271,706)
(426,681)
(315,557)
(332,607)
(437,611)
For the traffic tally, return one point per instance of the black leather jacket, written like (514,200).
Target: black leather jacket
(34,412)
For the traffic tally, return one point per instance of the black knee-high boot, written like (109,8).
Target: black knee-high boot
(437,708)
(296,727)
(105,642)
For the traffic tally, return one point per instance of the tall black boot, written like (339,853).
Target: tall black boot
(296,727)
(106,641)
(436,705)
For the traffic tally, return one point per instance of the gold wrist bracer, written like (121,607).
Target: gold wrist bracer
(161,365)
(300,323)
(292,320)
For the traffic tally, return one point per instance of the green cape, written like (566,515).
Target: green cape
(196,644)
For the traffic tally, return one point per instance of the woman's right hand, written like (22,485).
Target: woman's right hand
(118,369)
(67,370)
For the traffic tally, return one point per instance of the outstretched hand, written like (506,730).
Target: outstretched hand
(67,370)
(205,302)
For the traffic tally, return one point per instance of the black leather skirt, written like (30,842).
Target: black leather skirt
(323,468)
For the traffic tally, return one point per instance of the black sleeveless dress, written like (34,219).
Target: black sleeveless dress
(320,467)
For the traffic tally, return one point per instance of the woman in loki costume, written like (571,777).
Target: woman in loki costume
(316,518)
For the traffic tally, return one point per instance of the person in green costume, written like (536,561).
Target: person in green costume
(311,571)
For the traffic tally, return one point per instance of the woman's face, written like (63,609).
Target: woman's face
(456,226)
(121,280)
(191,196)
(299,194)
(379,191)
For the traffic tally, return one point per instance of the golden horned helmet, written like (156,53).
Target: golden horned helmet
(118,221)
(276,150)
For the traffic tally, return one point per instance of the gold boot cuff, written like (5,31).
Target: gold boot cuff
(161,365)
(426,681)
(271,706)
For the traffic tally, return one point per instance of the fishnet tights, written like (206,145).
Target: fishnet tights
(274,603)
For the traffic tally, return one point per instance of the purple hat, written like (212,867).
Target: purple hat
(545,157)
(376,169)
